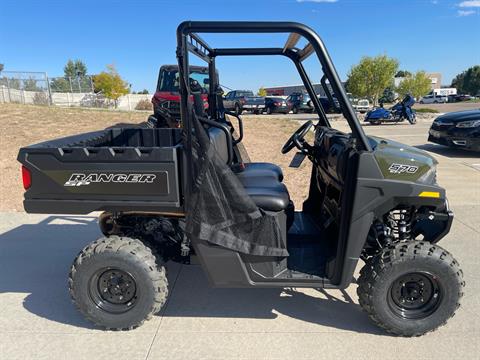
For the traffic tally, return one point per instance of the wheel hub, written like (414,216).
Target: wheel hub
(116,286)
(415,295)
(113,290)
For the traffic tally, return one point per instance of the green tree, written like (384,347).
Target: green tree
(1,67)
(144,91)
(74,79)
(60,85)
(30,84)
(417,84)
(371,76)
(403,73)
(110,84)
(468,81)
(262,92)
(74,69)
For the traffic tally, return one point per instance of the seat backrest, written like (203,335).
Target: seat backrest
(219,141)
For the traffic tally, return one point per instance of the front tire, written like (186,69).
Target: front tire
(117,283)
(295,110)
(411,288)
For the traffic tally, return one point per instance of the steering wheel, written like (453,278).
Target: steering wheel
(297,138)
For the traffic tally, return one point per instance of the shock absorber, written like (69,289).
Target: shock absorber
(401,223)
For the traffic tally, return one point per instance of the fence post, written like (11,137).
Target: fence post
(50,99)
(9,94)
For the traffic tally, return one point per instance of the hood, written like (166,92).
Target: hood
(391,153)
(459,116)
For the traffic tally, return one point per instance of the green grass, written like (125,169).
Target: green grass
(426,110)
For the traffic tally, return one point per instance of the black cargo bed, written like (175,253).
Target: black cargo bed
(117,169)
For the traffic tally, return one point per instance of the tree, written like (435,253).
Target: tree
(30,84)
(388,95)
(144,91)
(402,73)
(74,69)
(1,67)
(417,84)
(74,79)
(371,76)
(110,84)
(262,92)
(468,81)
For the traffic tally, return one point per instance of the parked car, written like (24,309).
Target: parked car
(433,99)
(300,102)
(327,105)
(276,105)
(240,100)
(362,106)
(464,97)
(459,129)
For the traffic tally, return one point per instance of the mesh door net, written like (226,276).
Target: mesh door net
(221,212)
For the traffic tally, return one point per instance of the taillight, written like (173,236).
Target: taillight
(277,104)
(243,101)
(26,177)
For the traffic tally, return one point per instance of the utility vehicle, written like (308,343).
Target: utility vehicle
(166,100)
(188,195)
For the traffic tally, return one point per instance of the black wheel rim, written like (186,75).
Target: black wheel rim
(415,295)
(113,290)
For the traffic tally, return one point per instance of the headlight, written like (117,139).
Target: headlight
(468,124)
(430,177)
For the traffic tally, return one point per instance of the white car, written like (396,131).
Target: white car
(362,106)
(433,99)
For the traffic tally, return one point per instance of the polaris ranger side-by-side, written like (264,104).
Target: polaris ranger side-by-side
(187,195)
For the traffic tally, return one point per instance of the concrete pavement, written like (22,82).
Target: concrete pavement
(38,321)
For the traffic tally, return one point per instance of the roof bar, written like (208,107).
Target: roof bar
(247,51)
(291,41)
(305,52)
(202,42)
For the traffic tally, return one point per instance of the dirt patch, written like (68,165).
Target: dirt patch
(22,125)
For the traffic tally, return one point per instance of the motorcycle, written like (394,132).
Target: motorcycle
(399,112)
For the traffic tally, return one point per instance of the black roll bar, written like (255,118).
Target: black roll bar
(188,40)
(189,27)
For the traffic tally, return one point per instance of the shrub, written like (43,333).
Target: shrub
(41,98)
(144,104)
(426,110)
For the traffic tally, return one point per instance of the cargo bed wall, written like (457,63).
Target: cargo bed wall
(113,170)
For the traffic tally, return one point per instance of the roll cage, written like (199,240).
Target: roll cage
(189,41)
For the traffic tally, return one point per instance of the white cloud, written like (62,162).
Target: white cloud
(466,12)
(318,1)
(434,2)
(468,4)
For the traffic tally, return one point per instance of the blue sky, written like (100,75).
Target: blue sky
(139,36)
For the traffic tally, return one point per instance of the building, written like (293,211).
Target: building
(436,79)
(289,89)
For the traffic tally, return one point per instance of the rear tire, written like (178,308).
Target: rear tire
(295,110)
(411,288)
(117,283)
(269,110)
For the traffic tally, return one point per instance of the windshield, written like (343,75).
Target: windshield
(168,80)
(244,93)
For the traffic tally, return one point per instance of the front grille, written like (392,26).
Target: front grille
(436,125)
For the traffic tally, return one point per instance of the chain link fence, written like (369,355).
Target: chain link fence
(26,87)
